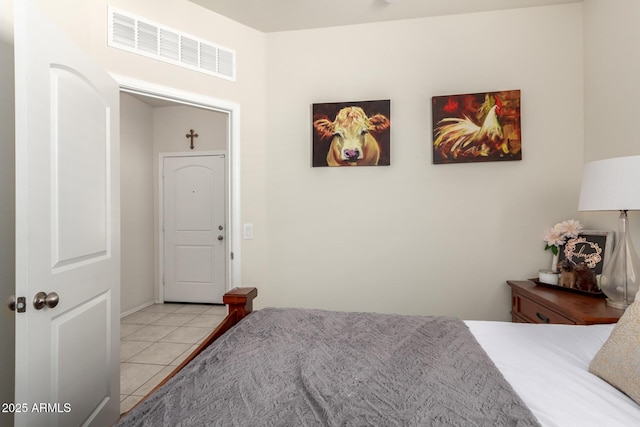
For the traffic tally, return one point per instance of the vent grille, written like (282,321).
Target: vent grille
(149,39)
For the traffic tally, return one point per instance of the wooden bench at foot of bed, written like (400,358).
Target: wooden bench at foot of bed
(240,303)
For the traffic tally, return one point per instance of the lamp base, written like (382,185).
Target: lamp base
(617,304)
(621,271)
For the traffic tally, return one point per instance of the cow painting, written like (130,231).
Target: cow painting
(350,139)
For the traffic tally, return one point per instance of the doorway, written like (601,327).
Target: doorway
(158,96)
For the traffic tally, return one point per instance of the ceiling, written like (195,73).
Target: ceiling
(152,101)
(283,15)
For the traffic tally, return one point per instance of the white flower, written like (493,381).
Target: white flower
(554,237)
(570,228)
(559,233)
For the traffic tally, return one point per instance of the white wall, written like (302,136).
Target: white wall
(136,201)
(612,90)
(7,208)
(172,124)
(417,237)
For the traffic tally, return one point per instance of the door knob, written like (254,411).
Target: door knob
(43,299)
(220,237)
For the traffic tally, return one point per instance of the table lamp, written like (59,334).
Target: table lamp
(614,185)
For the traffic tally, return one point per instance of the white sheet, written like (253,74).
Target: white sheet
(547,365)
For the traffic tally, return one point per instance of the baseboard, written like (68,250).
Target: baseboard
(136,309)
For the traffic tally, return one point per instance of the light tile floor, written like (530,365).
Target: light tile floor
(153,341)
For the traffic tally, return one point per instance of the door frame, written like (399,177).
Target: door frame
(232,109)
(161,157)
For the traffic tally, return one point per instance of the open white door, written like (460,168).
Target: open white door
(67,230)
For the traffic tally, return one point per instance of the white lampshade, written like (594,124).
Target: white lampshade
(611,185)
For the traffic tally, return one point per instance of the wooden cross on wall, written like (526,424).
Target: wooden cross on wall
(192,135)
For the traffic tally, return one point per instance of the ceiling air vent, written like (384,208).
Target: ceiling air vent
(144,37)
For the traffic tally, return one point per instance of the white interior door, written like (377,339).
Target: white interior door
(195,242)
(67,230)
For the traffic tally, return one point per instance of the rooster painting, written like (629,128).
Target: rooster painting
(477,127)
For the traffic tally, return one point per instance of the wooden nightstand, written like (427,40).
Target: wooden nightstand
(531,303)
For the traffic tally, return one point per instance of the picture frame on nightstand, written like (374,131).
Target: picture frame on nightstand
(592,247)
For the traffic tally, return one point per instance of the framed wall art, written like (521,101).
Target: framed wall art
(351,133)
(477,127)
(592,247)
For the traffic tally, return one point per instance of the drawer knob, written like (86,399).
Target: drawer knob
(542,317)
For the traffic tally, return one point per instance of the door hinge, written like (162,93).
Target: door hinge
(231,256)
(163,279)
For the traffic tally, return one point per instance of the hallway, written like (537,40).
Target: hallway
(155,340)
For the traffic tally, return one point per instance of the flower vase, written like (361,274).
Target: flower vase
(550,277)
(554,263)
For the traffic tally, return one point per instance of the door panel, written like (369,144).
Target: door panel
(79,189)
(67,229)
(193,264)
(194,213)
(89,323)
(193,208)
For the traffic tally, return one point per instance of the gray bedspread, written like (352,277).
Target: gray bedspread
(294,367)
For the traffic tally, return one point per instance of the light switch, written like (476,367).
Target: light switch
(247,231)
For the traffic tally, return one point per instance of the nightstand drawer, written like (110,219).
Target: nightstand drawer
(537,313)
(531,303)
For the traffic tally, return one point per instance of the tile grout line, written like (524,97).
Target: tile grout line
(148,317)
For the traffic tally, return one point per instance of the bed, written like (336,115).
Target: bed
(316,367)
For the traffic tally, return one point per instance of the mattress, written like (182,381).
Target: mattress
(547,365)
